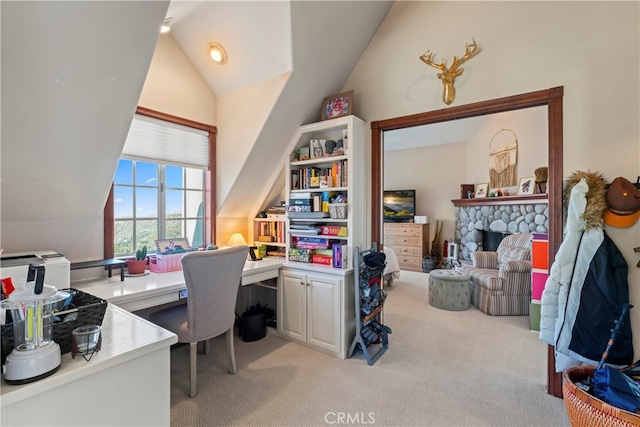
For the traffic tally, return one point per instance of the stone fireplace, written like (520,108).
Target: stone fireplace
(509,214)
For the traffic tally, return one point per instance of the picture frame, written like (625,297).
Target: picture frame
(304,153)
(338,105)
(481,190)
(318,148)
(527,185)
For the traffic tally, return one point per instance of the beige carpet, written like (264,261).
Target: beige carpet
(443,368)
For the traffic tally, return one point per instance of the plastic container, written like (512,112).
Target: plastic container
(163,263)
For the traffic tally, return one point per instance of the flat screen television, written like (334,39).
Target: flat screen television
(398,205)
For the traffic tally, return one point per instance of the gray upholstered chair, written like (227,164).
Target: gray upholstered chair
(212,279)
(501,280)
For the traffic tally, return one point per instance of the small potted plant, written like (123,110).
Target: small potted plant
(138,265)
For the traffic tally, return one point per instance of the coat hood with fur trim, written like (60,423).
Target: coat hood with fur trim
(596,201)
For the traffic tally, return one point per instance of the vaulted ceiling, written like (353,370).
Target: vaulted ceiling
(72,74)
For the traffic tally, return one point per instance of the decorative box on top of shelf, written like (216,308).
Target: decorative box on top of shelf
(315,182)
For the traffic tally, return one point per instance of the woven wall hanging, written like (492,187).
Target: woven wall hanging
(503,158)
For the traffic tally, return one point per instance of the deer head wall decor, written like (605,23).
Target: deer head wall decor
(448,75)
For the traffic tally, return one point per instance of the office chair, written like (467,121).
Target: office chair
(212,279)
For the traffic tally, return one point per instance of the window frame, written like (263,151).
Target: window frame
(210,183)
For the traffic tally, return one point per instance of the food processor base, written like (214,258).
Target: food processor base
(25,366)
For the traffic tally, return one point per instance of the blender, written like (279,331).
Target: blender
(35,355)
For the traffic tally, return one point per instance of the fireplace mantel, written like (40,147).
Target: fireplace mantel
(502,200)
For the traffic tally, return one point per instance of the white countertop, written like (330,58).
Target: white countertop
(125,336)
(152,289)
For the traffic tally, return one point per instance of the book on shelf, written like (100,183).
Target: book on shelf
(298,208)
(308,215)
(299,255)
(279,253)
(305,239)
(339,256)
(282,215)
(325,201)
(307,242)
(334,230)
(300,195)
(303,225)
(321,259)
(312,231)
(276,212)
(300,202)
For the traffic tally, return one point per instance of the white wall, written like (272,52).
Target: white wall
(174,86)
(590,48)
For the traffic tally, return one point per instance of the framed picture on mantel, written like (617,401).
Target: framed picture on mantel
(481,189)
(527,185)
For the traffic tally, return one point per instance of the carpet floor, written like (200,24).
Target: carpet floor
(443,368)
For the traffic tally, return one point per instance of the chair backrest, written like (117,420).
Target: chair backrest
(515,247)
(212,279)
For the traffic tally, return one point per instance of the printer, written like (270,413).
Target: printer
(57,269)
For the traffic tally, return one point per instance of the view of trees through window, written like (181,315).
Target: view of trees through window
(156,201)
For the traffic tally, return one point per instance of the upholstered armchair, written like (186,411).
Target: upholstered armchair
(501,280)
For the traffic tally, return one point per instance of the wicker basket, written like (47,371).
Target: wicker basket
(90,311)
(586,410)
(338,210)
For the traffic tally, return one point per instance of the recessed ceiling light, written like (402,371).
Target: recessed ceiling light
(217,53)
(166,26)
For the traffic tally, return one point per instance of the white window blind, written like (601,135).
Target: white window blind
(165,142)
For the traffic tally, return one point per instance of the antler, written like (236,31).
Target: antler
(470,50)
(426,58)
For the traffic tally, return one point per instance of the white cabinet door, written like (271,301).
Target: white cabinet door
(292,309)
(309,309)
(323,311)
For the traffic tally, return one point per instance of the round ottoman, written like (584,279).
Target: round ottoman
(449,290)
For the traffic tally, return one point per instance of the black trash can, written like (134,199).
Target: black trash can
(253,326)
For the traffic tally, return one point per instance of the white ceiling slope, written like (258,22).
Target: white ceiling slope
(70,86)
(255,34)
(327,40)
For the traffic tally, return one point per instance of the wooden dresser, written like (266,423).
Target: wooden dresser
(409,241)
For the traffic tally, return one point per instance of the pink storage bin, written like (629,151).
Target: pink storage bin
(164,263)
(538,281)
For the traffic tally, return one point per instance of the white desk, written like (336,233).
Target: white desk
(128,382)
(138,293)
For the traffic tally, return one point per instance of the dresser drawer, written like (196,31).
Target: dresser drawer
(407,250)
(405,230)
(404,241)
(407,262)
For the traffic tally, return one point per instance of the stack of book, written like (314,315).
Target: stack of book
(305,205)
(304,228)
(277,212)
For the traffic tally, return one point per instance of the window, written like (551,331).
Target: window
(156,201)
(163,186)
